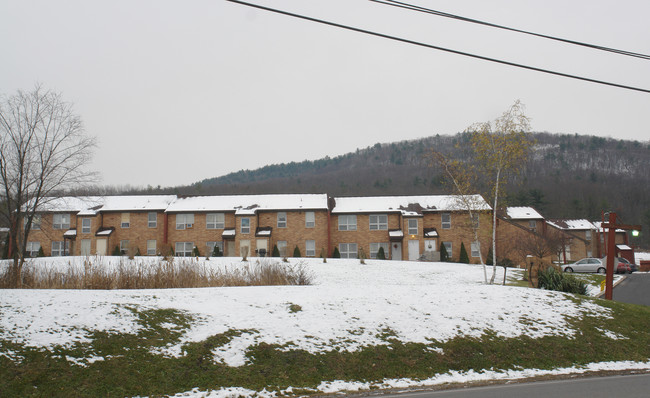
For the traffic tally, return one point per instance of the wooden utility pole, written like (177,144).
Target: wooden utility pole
(611,250)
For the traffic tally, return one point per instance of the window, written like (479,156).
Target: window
(378,222)
(374,249)
(567,252)
(476,249)
(60,248)
(413,226)
(446,220)
(61,221)
(151,246)
(184,221)
(85,225)
(310,219)
(310,248)
(215,221)
(210,248)
(449,247)
(36,222)
(152,220)
(532,224)
(475,220)
(245,225)
(126,220)
(348,250)
(124,247)
(282,219)
(184,249)
(282,247)
(33,248)
(588,234)
(348,223)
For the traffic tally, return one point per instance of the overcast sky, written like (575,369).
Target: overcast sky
(178,91)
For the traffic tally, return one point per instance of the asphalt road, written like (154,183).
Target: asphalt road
(635,289)
(628,386)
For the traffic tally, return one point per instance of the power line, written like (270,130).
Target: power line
(476,21)
(399,39)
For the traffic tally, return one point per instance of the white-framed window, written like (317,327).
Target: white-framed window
(310,219)
(215,220)
(210,247)
(245,225)
(588,234)
(152,220)
(282,219)
(184,249)
(151,247)
(449,247)
(184,221)
(36,222)
(282,247)
(567,252)
(310,248)
(476,249)
(60,248)
(374,249)
(61,221)
(413,226)
(85,225)
(32,249)
(446,220)
(126,220)
(348,250)
(348,222)
(532,225)
(378,222)
(124,246)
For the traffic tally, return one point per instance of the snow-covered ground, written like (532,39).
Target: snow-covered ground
(348,306)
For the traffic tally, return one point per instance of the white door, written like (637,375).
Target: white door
(430,245)
(101,246)
(262,244)
(396,251)
(85,247)
(230,249)
(414,250)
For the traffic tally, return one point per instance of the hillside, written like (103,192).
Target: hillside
(568,176)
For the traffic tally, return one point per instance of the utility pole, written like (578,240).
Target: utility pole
(611,250)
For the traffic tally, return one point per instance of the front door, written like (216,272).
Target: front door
(101,246)
(230,248)
(430,245)
(414,250)
(262,248)
(396,251)
(85,247)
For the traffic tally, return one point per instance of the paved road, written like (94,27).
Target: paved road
(628,386)
(634,289)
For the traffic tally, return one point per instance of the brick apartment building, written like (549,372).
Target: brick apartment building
(406,227)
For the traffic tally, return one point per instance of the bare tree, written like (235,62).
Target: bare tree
(43,151)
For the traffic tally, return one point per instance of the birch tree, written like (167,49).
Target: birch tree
(43,151)
(501,149)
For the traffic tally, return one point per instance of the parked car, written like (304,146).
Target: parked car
(588,264)
(621,265)
(633,267)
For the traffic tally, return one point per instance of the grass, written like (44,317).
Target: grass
(133,365)
(166,273)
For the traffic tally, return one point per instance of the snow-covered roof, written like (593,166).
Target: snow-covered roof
(523,213)
(228,233)
(572,224)
(91,205)
(249,204)
(623,247)
(396,234)
(70,233)
(407,205)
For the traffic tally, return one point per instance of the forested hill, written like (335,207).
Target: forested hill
(567,176)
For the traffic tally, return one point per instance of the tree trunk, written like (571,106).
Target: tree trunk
(494,227)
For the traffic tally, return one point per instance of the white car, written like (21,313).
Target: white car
(586,265)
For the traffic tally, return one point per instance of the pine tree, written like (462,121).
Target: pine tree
(41,253)
(196,252)
(336,253)
(216,252)
(380,254)
(464,258)
(444,256)
(296,252)
(275,252)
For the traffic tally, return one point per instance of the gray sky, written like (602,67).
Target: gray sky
(178,91)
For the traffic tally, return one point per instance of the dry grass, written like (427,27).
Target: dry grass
(167,273)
